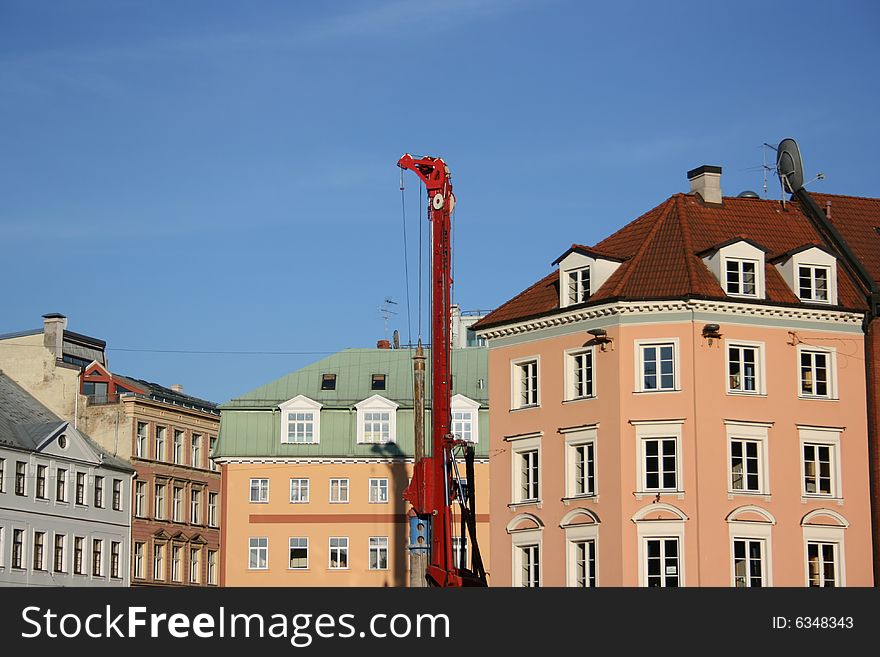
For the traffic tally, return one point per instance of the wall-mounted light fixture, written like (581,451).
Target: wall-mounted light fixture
(600,337)
(711,332)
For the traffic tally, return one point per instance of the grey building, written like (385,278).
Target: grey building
(65,516)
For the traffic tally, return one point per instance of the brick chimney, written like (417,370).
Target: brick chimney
(706,182)
(53,332)
(177,387)
(383,344)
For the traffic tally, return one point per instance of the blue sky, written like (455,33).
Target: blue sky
(220,176)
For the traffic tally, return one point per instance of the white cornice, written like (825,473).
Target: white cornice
(644,307)
(314,460)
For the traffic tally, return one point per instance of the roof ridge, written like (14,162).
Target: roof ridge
(635,260)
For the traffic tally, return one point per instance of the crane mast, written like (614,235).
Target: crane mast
(436,483)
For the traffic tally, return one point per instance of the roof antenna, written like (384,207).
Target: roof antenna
(385,312)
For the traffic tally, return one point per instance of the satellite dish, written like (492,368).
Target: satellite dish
(789,165)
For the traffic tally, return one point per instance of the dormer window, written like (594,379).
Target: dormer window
(578,285)
(328,382)
(741,277)
(376,420)
(377,382)
(300,421)
(813,283)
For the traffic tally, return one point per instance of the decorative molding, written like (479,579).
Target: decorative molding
(672,306)
(266,460)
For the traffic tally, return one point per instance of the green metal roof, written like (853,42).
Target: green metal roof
(250,425)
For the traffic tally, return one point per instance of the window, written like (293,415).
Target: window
(338,552)
(660,464)
(212,446)
(141,440)
(744,369)
(138,566)
(462,425)
(114,559)
(328,382)
(525,384)
(2,475)
(529,565)
(178,446)
(196,451)
(195,506)
(813,283)
(212,567)
(78,555)
(160,443)
(817,469)
(741,277)
(97,557)
(17,548)
(579,374)
(212,509)
(41,482)
(300,427)
(39,554)
(525,458)
(378,491)
(378,553)
(159,561)
(822,561)
(460,551)
(584,563)
(194,565)
(258,553)
(175,563)
(299,553)
(748,562)
(58,561)
(259,491)
(117,494)
(377,420)
(656,367)
(140,498)
(817,369)
(299,491)
(20,477)
(81,488)
(61,485)
(177,504)
(745,465)
(339,491)
(377,382)
(661,562)
(583,469)
(160,502)
(578,285)
(99,492)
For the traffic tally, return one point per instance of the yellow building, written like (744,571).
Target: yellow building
(314,466)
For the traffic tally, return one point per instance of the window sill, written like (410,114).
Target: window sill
(806,499)
(816,398)
(745,393)
(335,570)
(655,392)
(580,498)
(518,505)
(764,497)
(578,399)
(640,495)
(524,408)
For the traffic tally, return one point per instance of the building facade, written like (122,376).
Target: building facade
(683,404)
(64,501)
(166,435)
(314,467)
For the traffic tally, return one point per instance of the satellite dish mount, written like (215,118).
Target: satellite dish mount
(789,166)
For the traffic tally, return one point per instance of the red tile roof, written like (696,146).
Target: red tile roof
(659,252)
(858,220)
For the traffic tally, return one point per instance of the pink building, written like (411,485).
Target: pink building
(683,404)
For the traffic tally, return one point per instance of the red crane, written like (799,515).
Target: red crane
(436,483)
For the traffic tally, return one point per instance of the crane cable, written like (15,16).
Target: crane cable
(406,261)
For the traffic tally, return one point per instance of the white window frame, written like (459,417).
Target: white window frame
(212,567)
(140,499)
(160,446)
(262,490)
(213,508)
(311,411)
(575,438)
(760,367)
(654,529)
(826,534)
(575,535)
(516,383)
(177,503)
(195,506)
(831,368)
(195,452)
(159,508)
(376,486)
(823,437)
(570,370)
(460,543)
(340,549)
(519,540)
(176,562)
(290,547)
(342,484)
(581,291)
(138,560)
(159,569)
(300,485)
(520,445)
(43,535)
(177,446)
(464,405)
(378,545)
(758,265)
(376,404)
(658,430)
(754,432)
(813,279)
(258,552)
(640,346)
(142,440)
(195,573)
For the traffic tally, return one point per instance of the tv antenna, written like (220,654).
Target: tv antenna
(789,167)
(386,312)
